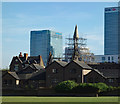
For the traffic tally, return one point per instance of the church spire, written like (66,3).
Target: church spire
(76,36)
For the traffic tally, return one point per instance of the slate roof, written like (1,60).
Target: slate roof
(30,60)
(24,76)
(14,74)
(37,66)
(33,75)
(110,73)
(82,64)
(39,75)
(62,63)
(99,72)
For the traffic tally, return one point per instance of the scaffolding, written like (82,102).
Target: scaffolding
(84,52)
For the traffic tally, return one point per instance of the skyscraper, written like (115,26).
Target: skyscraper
(45,41)
(112,31)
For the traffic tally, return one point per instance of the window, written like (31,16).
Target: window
(73,71)
(9,82)
(108,58)
(112,58)
(103,58)
(16,60)
(16,67)
(55,81)
(17,82)
(110,80)
(54,71)
(4,81)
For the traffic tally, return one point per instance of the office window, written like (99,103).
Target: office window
(109,58)
(112,58)
(103,58)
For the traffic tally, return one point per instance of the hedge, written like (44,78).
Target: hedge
(72,87)
(65,86)
(86,88)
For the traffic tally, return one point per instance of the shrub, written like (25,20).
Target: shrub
(71,86)
(86,88)
(65,86)
(110,88)
(102,86)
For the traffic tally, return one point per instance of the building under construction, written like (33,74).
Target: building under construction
(77,48)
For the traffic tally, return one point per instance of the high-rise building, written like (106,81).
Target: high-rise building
(112,31)
(45,41)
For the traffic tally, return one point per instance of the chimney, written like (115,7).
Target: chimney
(20,55)
(41,61)
(25,56)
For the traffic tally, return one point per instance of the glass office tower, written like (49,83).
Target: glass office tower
(45,41)
(112,31)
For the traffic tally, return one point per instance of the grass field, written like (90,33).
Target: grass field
(60,100)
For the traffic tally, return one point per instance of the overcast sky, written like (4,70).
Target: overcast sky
(19,18)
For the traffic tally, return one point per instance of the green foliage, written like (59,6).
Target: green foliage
(102,86)
(65,86)
(71,86)
(86,88)
(111,88)
(26,86)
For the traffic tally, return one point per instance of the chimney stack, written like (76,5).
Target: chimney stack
(20,55)
(25,56)
(41,61)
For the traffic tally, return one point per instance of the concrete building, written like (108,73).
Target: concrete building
(44,41)
(107,58)
(112,31)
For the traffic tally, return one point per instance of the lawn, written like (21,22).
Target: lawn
(59,100)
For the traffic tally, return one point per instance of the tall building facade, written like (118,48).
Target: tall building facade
(112,31)
(45,41)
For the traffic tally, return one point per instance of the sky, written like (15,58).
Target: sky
(19,18)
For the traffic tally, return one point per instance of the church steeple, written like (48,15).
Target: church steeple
(75,38)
